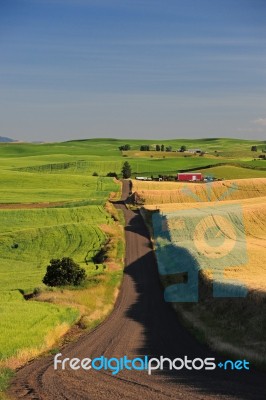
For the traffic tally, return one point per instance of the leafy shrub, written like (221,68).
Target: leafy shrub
(112,174)
(64,272)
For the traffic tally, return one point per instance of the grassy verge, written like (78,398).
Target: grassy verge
(5,375)
(37,327)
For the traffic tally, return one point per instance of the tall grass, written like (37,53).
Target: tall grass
(26,325)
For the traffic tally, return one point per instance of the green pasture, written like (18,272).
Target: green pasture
(232,172)
(138,166)
(76,161)
(28,240)
(21,187)
(254,164)
(221,168)
(25,324)
(109,147)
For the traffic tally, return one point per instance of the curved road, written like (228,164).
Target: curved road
(140,324)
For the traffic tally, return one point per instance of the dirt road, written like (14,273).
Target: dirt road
(140,324)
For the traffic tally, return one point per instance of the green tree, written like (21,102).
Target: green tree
(183,148)
(64,272)
(254,148)
(157,147)
(126,170)
(162,147)
(144,147)
(125,147)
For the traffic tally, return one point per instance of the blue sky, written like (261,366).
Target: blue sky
(132,68)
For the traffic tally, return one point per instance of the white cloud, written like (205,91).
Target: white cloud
(260,121)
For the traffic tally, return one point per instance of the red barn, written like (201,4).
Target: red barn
(190,176)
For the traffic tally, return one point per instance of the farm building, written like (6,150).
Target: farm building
(190,176)
(195,151)
(143,178)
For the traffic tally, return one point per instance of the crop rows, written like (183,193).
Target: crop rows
(28,240)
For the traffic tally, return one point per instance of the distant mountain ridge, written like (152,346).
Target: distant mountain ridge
(6,139)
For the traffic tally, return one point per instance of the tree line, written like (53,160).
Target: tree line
(147,147)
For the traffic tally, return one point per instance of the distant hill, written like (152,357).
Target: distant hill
(6,139)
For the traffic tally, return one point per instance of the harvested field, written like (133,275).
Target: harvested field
(176,192)
(225,241)
(244,206)
(243,225)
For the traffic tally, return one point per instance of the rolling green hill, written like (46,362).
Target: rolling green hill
(84,157)
(28,240)
(76,224)
(109,147)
